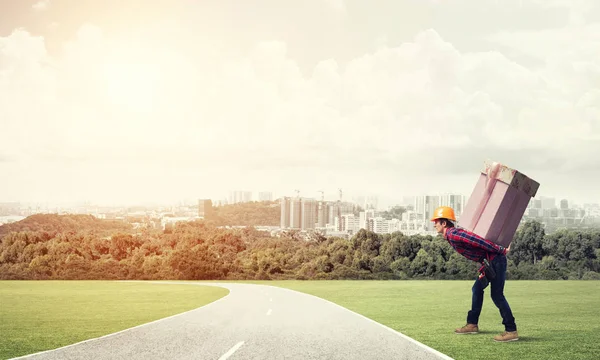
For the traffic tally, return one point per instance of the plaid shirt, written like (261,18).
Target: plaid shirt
(472,246)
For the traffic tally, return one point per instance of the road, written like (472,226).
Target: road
(253,322)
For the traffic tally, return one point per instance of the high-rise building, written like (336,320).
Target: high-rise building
(380,225)
(295,213)
(366,202)
(334,212)
(534,212)
(299,213)
(425,206)
(371,202)
(409,216)
(364,217)
(240,197)
(285,212)
(564,204)
(348,223)
(455,201)
(265,196)
(371,224)
(548,202)
(337,209)
(205,208)
(394,225)
(322,214)
(309,214)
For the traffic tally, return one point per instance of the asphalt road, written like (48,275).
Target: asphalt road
(253,322)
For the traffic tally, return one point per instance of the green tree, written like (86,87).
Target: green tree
(528,243)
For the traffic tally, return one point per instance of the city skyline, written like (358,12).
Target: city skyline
(381,203)
(329,216)
(170,102)
(332,195)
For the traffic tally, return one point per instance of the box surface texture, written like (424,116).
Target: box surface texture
(498,203)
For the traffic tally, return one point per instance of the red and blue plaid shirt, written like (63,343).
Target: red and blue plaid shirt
(472,246)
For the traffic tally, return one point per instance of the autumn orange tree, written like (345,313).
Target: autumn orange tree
(83,247)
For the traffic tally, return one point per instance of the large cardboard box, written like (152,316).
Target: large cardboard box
(498,202)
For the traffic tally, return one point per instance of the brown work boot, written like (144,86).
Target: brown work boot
(507,336)
(467,329)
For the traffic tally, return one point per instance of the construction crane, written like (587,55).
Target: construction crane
(322,195)
(340,190)
(297,193)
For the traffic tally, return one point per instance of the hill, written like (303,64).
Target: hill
(55,223)
(256,213)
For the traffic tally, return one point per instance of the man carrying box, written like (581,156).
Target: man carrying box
(493,271)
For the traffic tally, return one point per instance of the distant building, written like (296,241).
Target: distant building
(322,214)
(265,196)
(364,217)
(240,197)
(457,202)
(295,213)
(205,208)
(371,202)
(425,205)
(548,202)
(380,225)
(308,214)
(366,202)
(349,224)
(286,204)
(564,204)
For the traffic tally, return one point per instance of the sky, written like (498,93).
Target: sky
(123,102)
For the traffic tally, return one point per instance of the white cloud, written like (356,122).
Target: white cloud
(127,118)
(41,5)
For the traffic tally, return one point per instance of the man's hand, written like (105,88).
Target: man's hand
(504,250)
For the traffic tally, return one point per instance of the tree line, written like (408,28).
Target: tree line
(254,213)
(83,247)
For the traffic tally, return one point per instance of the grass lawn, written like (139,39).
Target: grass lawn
(555,319)
(42,315)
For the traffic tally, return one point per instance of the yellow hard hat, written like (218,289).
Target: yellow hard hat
(443,212)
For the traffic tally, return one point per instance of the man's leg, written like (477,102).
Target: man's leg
(499,299)
(476,301)
(476,305)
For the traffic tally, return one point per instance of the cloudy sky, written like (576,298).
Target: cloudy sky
(139,101)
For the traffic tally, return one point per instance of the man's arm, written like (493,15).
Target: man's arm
(477,241)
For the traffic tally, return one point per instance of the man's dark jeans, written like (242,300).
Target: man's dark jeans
(497,285)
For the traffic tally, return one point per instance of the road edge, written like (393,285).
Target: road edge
(420,344)
(131,328)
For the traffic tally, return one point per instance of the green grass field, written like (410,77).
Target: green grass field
(555,319)
(41,315)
